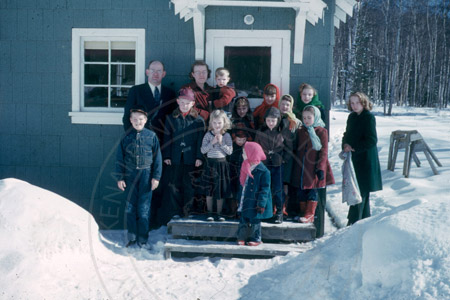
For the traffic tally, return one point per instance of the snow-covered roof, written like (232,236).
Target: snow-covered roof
(306,10)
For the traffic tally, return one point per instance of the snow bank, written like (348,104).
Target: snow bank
(45,241)
(395,255)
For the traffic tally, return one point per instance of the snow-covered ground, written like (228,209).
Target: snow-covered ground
(51,248)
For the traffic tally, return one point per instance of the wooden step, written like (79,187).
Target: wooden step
(194,248)
(201,229)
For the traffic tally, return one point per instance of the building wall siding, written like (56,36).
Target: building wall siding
(38,142)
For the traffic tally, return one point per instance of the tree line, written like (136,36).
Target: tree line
(396,51)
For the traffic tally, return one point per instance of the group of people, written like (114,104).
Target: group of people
(205,151)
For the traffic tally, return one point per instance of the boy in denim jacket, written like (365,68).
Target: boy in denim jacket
(139,166)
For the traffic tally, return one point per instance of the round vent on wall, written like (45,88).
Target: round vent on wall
(248,19)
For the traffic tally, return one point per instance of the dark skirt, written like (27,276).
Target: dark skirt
(216,178)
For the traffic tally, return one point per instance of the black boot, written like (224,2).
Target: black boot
(279,218)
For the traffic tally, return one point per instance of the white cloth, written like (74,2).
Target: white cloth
(350,188)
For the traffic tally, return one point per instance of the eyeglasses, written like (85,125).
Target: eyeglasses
(156,71)
(201,72)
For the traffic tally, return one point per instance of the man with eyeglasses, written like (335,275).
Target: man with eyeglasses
(157,99)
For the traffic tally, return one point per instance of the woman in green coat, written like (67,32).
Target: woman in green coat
(360,138)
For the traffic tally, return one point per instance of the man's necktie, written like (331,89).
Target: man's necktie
(157,96)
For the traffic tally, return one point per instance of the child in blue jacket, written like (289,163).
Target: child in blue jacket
(254,195)
(139,167)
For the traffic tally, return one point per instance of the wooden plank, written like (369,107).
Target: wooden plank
(231,248)
(430,161)
(432,154)
(288,231)
(391,152)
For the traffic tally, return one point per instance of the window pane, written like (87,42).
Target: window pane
(123,74)
(96,51)
(95,74)
(123,51)
(249,68)
(96,97)
(119,97)
(123,55)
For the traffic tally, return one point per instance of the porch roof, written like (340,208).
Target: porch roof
(306,10)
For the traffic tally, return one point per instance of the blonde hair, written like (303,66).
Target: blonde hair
(222,72)
(363,98)
(217,114)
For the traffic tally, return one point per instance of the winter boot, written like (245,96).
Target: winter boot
(253,243)
(278,218)
(302,208)
(309,212)
(285,207)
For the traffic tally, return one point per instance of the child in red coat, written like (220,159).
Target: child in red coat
(222,96)
(271,98)
(311,168)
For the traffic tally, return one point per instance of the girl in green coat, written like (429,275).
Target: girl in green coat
(360,137)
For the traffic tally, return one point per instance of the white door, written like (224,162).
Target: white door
(254,58)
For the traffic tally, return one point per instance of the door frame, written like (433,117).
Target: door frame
(278,40)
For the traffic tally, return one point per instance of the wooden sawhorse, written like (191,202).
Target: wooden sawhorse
(411,141)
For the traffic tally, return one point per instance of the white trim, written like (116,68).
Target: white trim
(306,10)
(300,28)
(278,40)
(79,114)
(100,118)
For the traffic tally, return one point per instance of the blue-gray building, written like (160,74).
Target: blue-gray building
(66,67)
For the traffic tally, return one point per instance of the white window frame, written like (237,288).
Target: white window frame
(278,40)
(110,116)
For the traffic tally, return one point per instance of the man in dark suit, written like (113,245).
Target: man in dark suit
(158,100)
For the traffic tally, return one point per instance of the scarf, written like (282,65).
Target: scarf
(290,115)
(255,155)
(315,140)
(301,105)
(260,111)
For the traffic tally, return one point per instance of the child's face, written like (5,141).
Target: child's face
(285,106)
(307,95)
(242,110)
(240,141)
(138,120)
(217,124)
(271,122)
(222,80)
(308,118)
(356,105)
(185,105)
(244,155)
(270,99)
